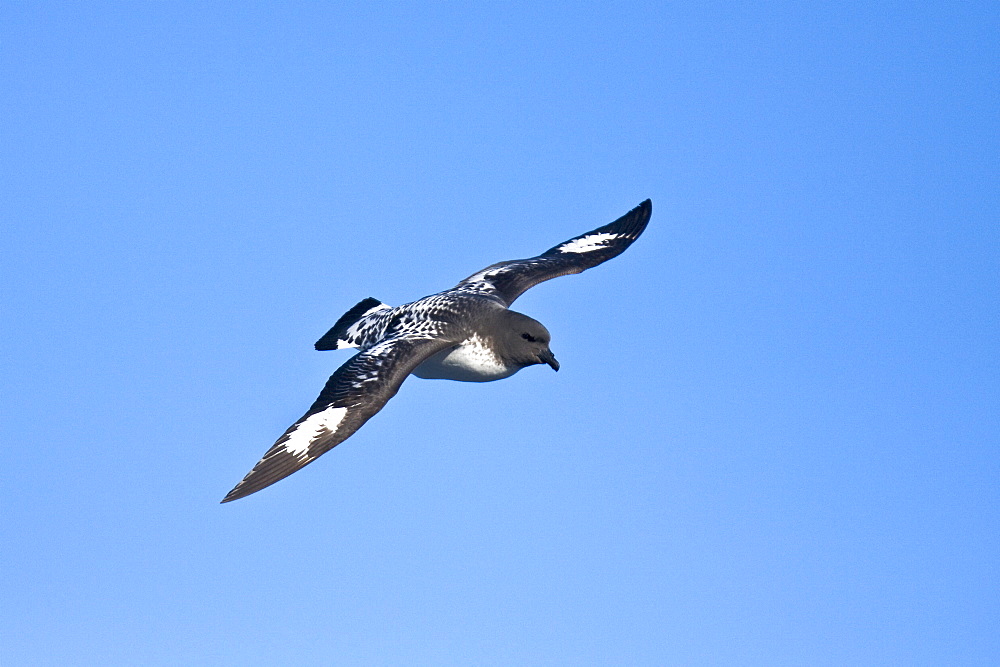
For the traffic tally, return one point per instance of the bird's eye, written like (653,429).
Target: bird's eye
(528,337)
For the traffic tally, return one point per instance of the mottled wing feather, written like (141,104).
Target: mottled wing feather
(352,395)
(508,280)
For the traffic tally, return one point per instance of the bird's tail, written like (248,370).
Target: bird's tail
(345,333)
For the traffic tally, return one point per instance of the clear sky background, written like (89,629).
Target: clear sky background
(774,437)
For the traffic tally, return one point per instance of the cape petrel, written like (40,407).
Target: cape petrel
(465,333)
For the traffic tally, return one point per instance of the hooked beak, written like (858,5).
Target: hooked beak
(547,357)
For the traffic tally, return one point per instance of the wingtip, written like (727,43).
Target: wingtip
(230,497)
(635,221)
(241,490)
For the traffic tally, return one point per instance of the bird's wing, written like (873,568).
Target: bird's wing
(352,395)
(508,280)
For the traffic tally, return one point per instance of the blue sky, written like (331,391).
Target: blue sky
(774,436)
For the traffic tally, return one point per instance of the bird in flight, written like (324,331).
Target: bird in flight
(465,333)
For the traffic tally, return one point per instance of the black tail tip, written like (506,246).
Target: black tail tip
(330,338)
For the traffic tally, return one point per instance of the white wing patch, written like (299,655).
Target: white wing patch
(310,428)
(588,243)
(484,275)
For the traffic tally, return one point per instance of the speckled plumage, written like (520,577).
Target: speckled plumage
(465,333)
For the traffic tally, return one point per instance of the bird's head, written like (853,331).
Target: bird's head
(525,341)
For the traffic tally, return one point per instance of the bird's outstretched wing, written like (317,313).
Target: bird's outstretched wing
(508,280)
(352,395)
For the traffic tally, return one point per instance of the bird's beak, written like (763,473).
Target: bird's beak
(547,357)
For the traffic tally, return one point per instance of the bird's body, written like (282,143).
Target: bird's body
(465,317)
(466,333)
(470,360)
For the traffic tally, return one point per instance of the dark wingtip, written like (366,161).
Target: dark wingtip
(634,222)
(251,484)
(231,496)
(242,490)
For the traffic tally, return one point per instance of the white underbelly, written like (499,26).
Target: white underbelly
(468,362)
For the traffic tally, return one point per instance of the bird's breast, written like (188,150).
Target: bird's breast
(470,361)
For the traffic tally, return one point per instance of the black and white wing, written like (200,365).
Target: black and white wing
(508,280)
(352,395)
